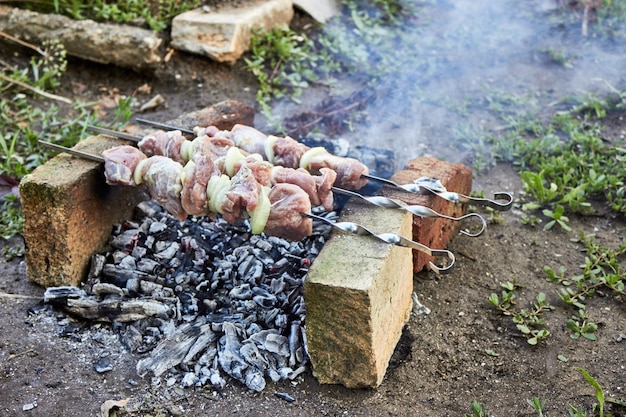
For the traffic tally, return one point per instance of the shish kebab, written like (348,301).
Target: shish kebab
(225,154)
(502,201)
(284,211)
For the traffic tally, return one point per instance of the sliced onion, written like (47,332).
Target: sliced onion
(186,150)
(269,147)
(216,191)
(273,172)
(305,160)
(137,172)
(259,216)
(233,155)
(189,165)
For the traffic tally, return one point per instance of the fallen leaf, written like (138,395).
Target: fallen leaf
(108,405)
(143,89)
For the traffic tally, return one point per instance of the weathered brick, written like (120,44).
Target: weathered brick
(358,299)
(68,213)
(435,233)
(69,210)
(223,115)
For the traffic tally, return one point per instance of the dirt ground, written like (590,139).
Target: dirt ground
(440,365)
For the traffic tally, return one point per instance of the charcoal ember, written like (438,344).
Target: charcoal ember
(103,365)
(102,289)
(285,396)
(61,295)
(129,263)
(241,292)
(150,266)
(131,337)
(203,302)
(120,276)
(97,264)
(150,209)
(166,250)
(125,240)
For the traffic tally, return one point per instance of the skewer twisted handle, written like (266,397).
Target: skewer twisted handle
(435,186)
(502,201)
(417,210)
(394,239)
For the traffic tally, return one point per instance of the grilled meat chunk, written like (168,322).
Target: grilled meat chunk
(120,163)
(286,219)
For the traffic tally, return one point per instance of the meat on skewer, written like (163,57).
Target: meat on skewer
(207,154)
(180,189)
(290,153)
(281,151)
(283,211)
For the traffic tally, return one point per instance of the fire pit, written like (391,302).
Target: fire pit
(204,300)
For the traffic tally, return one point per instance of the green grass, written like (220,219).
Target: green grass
(27,115)
(156,14)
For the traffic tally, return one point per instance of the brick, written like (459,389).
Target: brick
(435,233)
(69,210)
(223,115)
(224,34)
(358,299)
(68,213)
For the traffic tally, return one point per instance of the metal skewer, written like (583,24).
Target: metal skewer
(433,185)
(502,201)
(349,227)
(114,133)
(164,126)
(394,239)
(74,152)
(376,200)
(417,210)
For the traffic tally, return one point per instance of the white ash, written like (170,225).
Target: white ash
(203,302)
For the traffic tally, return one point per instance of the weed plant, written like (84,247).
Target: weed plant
(25,118)
(566,165)
(538,404)
(531,323)
(367,42)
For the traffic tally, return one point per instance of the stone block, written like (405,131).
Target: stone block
(224,34)
(358,299)
(68,213)
(435,233)
(69,210)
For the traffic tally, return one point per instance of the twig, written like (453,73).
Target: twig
(586,18)
(21,42)
(36,90)
(15,355)
(466,255)
(16,296)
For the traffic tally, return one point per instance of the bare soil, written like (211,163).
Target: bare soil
(440,364)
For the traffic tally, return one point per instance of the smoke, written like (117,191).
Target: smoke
(455,63)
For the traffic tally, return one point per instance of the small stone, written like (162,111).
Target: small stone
(29,406)
(103,365)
